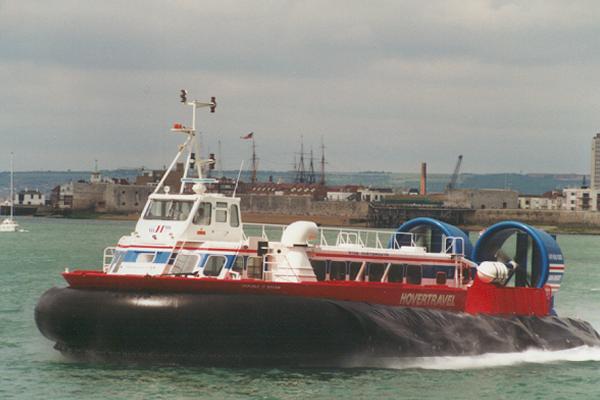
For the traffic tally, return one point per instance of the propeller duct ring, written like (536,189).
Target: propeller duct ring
(550,263)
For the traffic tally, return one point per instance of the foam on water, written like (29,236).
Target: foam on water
(495,360)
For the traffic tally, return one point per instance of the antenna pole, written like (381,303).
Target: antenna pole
(238,179)
(254,162)
(220,160)
(12,195)
(194,151)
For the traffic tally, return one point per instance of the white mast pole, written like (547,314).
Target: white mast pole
(181,150)
(12,195)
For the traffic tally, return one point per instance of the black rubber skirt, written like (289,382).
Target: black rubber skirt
(232,330)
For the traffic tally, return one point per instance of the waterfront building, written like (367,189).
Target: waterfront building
(552,200)
(581,199)
(29,198)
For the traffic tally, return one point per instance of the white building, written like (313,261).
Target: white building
(548,201)
(375,194)
(580,199)
(30,198)
(341,196)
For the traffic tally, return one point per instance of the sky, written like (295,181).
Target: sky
(513,86)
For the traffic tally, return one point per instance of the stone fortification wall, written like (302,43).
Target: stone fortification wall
(303,205)
(86,195)
(109,197)
(537,217)
(482,199)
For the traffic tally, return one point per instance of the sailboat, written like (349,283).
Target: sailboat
(9,224)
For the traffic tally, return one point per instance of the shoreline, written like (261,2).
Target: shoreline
(327,220)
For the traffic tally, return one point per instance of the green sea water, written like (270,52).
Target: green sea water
(31,262)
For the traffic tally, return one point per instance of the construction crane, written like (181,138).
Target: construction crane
(452,184)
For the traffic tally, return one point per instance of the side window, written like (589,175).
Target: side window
(414,274)
(238,265)
(117,261)
(221,216)
(214,265)
(396,273)
(376,272)
(184,264)
(254,267)
(354,270)
(202,216)
(145,257)
(320,269)
(337,270)
(234,219)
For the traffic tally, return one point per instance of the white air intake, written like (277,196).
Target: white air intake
(299,233)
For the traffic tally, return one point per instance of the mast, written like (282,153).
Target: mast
(322,181)
(190,144)
(301,170)
(254,162)
(220,159)
(311,174)
(12,195)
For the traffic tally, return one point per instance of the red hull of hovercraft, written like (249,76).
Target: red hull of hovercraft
(479,298)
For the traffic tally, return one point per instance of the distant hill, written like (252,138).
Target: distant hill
(523,183)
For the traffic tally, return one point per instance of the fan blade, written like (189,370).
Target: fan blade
(502,256)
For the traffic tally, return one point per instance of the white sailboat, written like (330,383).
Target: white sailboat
(9,224)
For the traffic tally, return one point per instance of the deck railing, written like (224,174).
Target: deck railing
(107,257)
(366,238)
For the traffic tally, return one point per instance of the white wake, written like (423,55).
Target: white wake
(493,360)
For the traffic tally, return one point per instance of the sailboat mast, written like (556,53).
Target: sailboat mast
(12,195)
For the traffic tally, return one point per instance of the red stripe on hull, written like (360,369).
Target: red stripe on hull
(479,298)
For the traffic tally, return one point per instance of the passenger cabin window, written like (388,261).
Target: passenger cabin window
(396,273)
(376,271)
(202,216)
(234,220)
(145,257)
(354,269)
(414,273)
(169,210)
(254,266)
(184,264)
(337,271)
(319,268)
(214,265)
(238,265)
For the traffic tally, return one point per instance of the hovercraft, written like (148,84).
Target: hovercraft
(192,284)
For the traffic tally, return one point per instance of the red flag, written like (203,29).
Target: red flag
(248,136)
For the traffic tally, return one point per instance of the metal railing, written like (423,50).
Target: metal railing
(453,245)
(365,238)
(269,232)
(107,257)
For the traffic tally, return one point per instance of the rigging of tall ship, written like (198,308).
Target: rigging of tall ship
(193,283)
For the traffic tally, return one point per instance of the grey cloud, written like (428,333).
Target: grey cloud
(388,84)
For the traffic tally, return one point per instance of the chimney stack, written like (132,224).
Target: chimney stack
(423,188)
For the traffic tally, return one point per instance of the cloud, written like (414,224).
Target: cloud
(509,84)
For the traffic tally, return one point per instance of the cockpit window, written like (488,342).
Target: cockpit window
(171,210)
(202,216)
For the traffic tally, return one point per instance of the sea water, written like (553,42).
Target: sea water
(31,262)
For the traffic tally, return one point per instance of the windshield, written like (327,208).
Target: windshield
(172,210)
